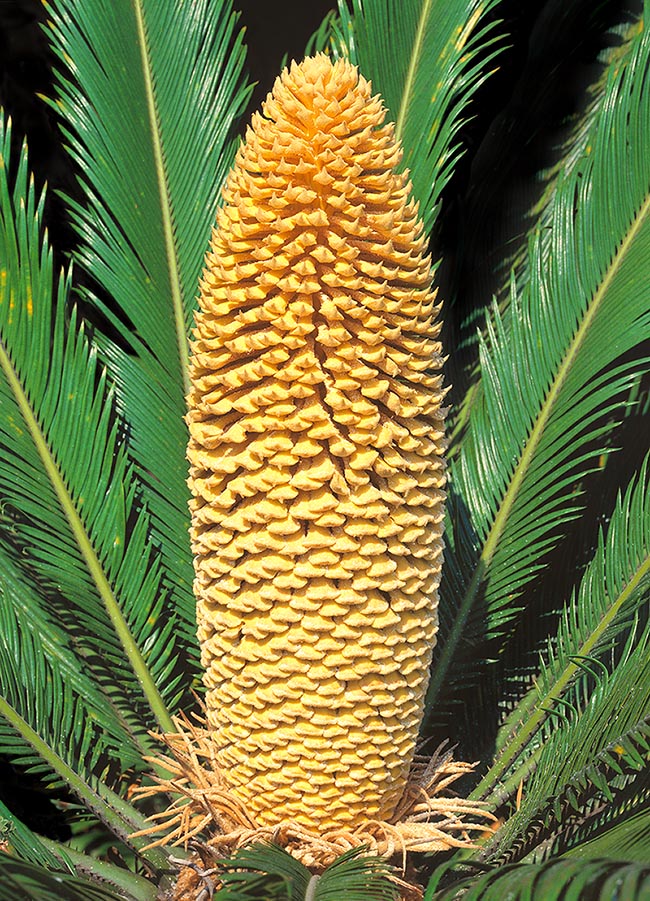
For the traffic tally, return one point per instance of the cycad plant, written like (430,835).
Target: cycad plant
(541,236)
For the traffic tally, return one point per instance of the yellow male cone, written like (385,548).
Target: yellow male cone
(316,457)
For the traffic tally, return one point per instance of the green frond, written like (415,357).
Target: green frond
(358,877)
(70,504)
(590,750)
(592,804)
(266,872)
(58,724)
(495,191)
(557,880)
(621,832)
(151,181)
(50,730)
(18,839)
(21,880)
(613,591)
(33,642)
(551,376)
(112,877)
(426,58)
(583,129)
(262,872)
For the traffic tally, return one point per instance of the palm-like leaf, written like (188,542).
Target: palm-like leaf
(622,832)
(492,178)
(558,879)
(577,767)
(582,133)
(24,843)
(23,881)
(358,877)
(33,642)
(550,374)
(51,727)
(268,872)
(64,724)
(613,592)
(492,183)
(68,489)
(52,730)
(263,871)
(151,185)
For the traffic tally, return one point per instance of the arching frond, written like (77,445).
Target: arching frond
(68,491)
(583,129)
(614,588)
(151,180)
(20,879)
(551,374)
(620,832)
(358,877)
(598,880)
(588,752)
(262,871)
(34,642)
(49,725)
(47,733)
(491,249)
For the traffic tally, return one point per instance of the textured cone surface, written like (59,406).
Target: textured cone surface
(316,459)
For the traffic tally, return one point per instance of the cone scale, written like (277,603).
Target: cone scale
(316,460)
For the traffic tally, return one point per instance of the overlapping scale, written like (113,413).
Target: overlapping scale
(316,456)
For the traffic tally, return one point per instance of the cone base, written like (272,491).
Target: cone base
(204,809)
